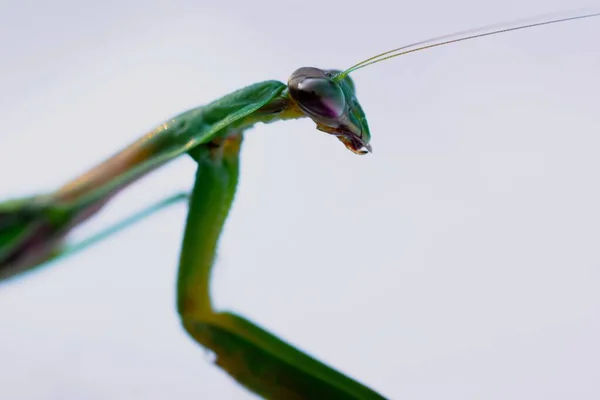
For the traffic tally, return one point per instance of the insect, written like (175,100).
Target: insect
(32,230)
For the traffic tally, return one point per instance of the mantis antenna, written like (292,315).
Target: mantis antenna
(454,38)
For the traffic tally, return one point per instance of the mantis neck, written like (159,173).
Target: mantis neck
(87,193)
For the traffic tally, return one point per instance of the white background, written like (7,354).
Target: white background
(459,261)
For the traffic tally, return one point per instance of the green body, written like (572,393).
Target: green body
(32,232)
(32,229)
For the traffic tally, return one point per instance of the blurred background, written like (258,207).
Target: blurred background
(460,260)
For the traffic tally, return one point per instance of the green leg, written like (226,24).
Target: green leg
(74,248)
(255,358)
(28,235)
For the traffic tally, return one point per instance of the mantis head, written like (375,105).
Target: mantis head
(329,99)
(331,103)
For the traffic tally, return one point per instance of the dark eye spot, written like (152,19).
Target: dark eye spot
(321,96)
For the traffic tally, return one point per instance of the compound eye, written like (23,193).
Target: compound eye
(321,96)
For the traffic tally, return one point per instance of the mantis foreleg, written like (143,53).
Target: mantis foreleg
(254,357)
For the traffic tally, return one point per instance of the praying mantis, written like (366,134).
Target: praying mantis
(32,229)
